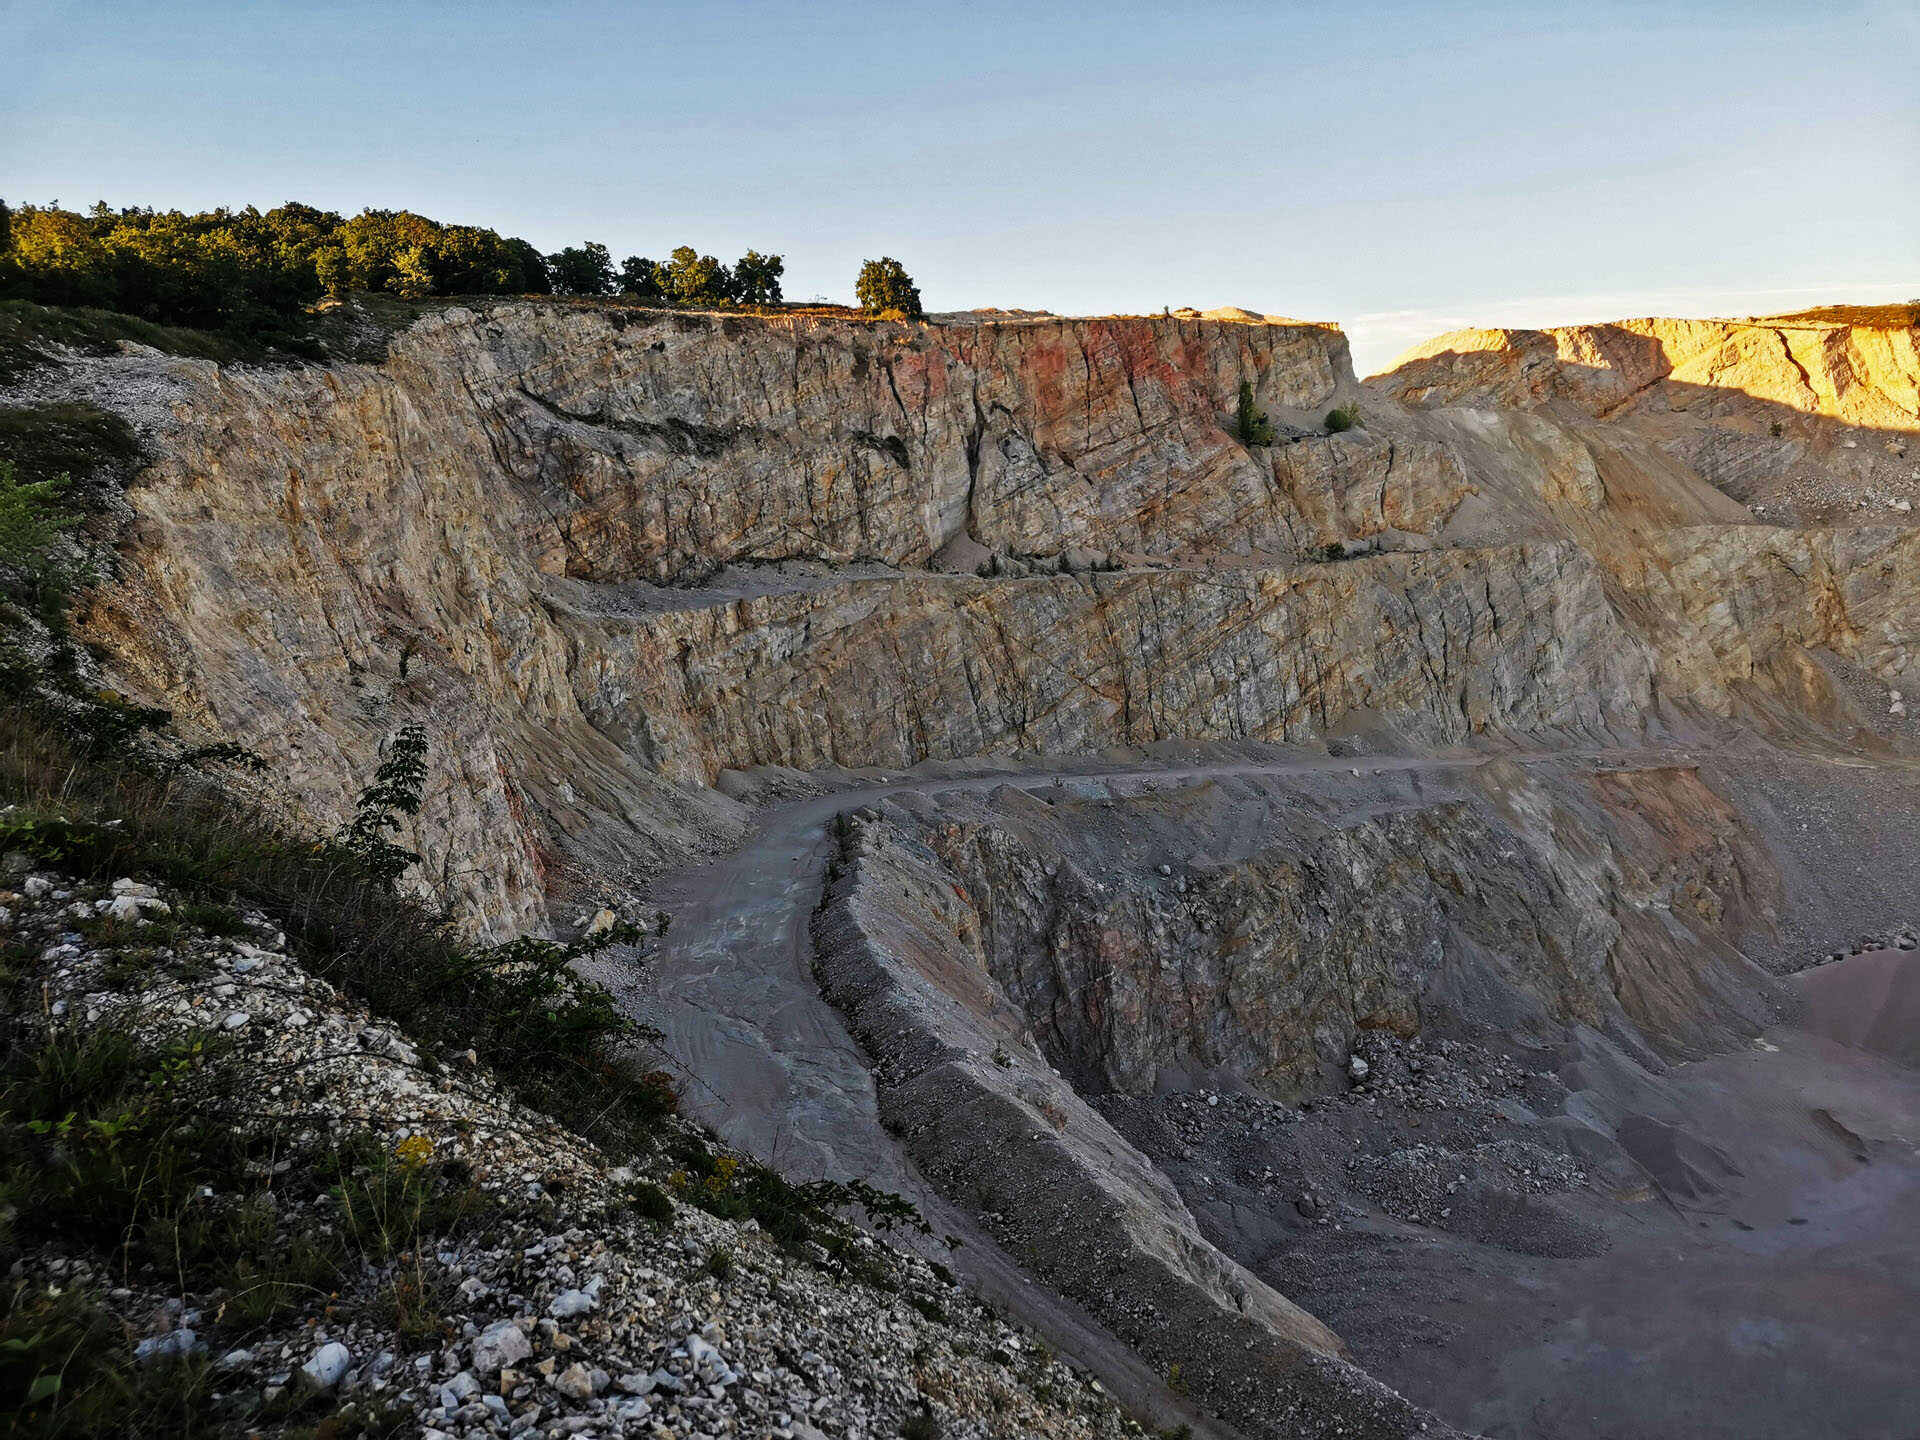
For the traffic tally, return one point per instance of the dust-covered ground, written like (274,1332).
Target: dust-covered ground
(1624,1140)
(1743,1260)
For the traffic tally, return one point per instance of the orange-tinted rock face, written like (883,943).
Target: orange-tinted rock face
(1860,375)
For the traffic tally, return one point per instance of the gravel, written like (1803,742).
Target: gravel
(561,1311)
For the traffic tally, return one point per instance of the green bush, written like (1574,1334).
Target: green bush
(883,287)
(1255,428)
(1343,417)
(31,519)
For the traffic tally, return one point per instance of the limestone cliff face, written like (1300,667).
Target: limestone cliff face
(890,671)
(1263,963)
(1808,421)
(660,447)
(1864,376)
(510,530)
(607,555)
(1737,604)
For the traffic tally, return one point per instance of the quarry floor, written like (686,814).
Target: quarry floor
(1777,1295)
(1780,1299)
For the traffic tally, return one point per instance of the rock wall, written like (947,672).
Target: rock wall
(605,555)
(1863,375)
(1807,421)
(990,1123)
(1273,933)
(471,532)
(891,671)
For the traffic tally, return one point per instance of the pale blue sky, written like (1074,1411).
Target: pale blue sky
(1401,168)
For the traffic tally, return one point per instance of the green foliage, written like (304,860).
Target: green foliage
(690,278)
(650,1202)
(756,278)
(1255,427)
(884,288)
(719,1262)
(137,1151)
(395,791)
(549,1034)
(98,1149)
(389,1201)
(639,277)
(250,273)
(582,270)
(1343,417)
(31,519)
(66,1373)
(794,1214)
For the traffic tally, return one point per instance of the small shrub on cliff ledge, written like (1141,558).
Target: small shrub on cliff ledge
(1255,427)
(1343,417)
(31,518)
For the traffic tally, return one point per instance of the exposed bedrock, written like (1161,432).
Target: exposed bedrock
(891,671)
(472,534)
(1809,421)
(1008,957)
(990,1123)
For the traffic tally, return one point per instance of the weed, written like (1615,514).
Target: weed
(99,810)
(66,1371)
(652,1203)
(1343,417)
(719,1262)
(211,918)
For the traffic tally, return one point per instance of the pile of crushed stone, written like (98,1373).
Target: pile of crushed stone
(576,1296)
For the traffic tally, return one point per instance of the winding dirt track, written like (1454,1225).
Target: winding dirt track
(769,1065)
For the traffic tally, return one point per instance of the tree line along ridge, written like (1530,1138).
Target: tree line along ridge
(255,273)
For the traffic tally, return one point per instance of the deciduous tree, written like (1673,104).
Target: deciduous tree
(884,285)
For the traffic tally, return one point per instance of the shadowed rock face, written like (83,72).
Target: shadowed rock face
(1008,958)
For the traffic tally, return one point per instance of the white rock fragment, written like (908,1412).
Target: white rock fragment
(569,1303)
(501,1344)
(329,1365)
(173,1345)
